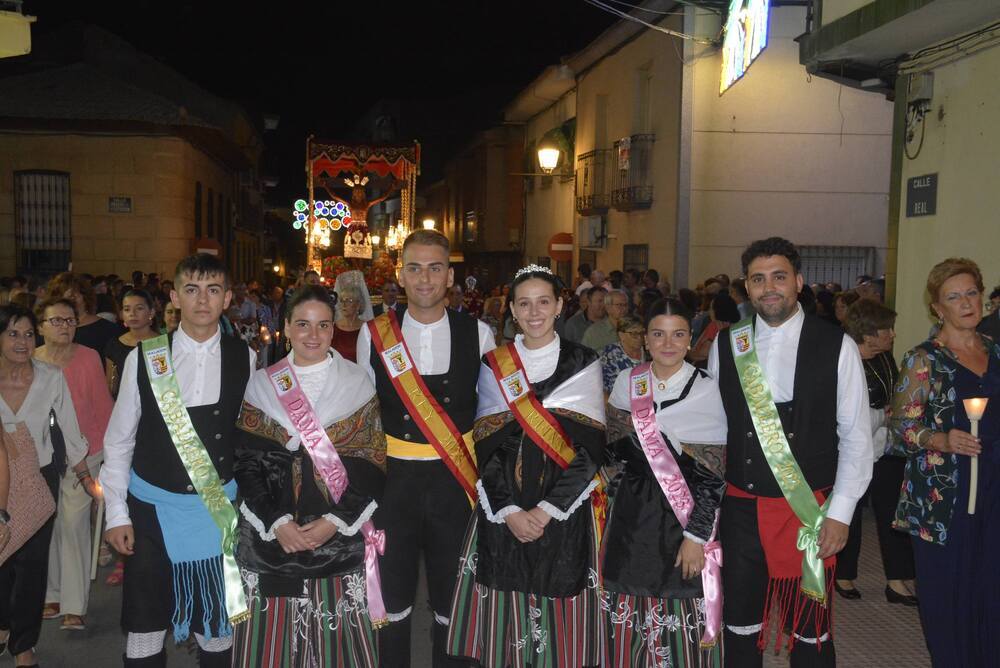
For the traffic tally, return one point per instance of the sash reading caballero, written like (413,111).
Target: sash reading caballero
(677,493)
(780,459)
(331,469)
(537,422)
(198,464)
(432,420)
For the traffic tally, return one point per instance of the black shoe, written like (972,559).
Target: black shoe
(903,599)
(851,594)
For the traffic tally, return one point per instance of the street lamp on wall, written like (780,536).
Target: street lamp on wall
(548,156)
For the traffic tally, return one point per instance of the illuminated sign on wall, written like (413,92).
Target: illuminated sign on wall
(746,37)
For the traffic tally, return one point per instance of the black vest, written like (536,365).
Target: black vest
(809,420)
(156,460)
(454,390)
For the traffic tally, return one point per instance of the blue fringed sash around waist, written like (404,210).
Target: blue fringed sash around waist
(194,546)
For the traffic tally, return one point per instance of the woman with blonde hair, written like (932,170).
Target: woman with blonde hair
(950,499)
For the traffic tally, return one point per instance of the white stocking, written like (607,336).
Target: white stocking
(142,645)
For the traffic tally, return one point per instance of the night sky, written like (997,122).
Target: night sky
(321,65)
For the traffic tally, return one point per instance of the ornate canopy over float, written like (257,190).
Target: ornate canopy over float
(361,169)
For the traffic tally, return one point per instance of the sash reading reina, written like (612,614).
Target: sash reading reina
(784,467)
(432,420)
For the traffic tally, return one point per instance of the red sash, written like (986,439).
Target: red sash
(432,420)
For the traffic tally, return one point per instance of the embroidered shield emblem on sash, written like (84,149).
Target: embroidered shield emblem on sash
(159,362)
(743,340)
(397,361)
(640,385)
(283,380)
(514,385)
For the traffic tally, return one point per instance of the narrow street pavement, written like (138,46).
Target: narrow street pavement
(870,632)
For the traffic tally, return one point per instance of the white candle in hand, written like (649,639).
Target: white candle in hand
(974,408)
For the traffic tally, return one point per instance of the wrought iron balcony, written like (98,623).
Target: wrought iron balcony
(593,182)
(631,183)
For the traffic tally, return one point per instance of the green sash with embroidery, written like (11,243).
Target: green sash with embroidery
(780,459)
(198,464)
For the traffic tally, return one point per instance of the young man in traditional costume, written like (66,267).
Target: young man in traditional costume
(168,476)
(798,458)
(425,368)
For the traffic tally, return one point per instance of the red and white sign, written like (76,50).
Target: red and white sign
(561,247)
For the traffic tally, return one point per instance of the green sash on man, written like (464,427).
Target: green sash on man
(198,464)
(780,459)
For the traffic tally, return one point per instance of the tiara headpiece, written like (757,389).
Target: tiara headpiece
(531,269)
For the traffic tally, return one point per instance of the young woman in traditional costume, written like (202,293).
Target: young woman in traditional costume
(662,578)
(310,464)
(527,586)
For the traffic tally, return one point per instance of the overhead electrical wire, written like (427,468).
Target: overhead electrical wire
(707,10)
(651,26)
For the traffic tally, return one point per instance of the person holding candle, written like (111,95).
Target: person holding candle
(310,464)
(527,592)
(661,541)
(954,545)
(68,589)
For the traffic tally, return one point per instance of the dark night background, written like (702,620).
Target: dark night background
(320,66)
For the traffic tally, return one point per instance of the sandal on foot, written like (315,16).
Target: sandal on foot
(50,611)
(72,623)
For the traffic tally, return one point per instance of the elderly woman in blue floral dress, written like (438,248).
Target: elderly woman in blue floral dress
(955,543)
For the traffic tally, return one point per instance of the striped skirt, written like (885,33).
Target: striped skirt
(510,629)
(644,632)
(328,628)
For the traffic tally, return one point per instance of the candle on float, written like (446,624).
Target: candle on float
(975,407)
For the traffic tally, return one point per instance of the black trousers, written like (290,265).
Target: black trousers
(23,579)
(424,511)
(897,552)
(745,583)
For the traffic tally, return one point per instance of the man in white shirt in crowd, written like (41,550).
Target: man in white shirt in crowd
(430,473)
(798,458)
(155,516)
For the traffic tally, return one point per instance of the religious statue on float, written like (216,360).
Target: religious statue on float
(357,243)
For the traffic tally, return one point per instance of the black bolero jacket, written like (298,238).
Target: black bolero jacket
(275,482)
(516,472)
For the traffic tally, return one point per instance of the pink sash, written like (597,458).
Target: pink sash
(668,475)
(327,463)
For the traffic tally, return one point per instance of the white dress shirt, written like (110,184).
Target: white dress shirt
(429,345)
(198,369)
(777,349)
(48,391)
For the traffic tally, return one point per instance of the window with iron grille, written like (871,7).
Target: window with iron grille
(836,264)
(42,230)
(635,256)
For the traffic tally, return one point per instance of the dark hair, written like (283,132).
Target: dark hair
(866,317)
(825,299)
(66,280)
(725,309)
(653,275)
(770,247)
(807,298)
(427,238)
(689,298)
(647,298)
(549,278)
(146,297)
(11,313)
(995,293)
(635,274)
(616,278)
(309,293)
(202,265)
(594,290)
(739,286)
(848,297)
(667,306)
(45,304)
(584,270)
(142,294)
